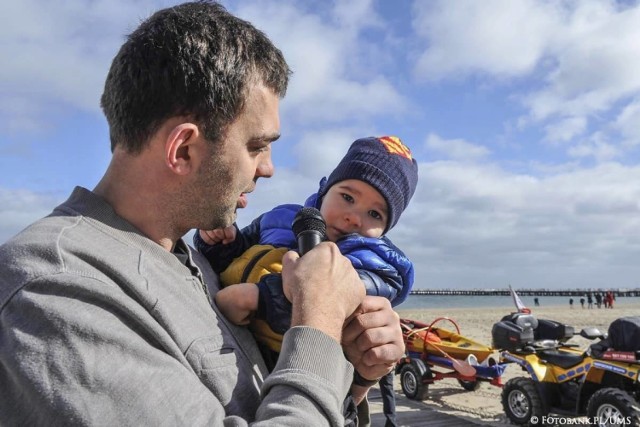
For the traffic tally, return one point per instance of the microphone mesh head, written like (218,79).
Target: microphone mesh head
(308,219)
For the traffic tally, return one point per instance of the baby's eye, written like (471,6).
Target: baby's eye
(347,197)
(375,215)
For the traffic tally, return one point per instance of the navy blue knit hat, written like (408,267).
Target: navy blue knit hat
(386,164)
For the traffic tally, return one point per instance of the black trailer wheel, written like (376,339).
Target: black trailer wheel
(469,385)
(612,406)
(521,401)
(411,382)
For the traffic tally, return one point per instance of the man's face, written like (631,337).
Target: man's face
(236,162)
(353,206)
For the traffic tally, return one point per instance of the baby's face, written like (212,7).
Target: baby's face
(353,206)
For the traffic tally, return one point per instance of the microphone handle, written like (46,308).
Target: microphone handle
(307,240)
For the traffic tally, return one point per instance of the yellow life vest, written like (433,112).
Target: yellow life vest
(249,267)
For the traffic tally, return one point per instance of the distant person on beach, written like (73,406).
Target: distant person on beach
(570,302)
(599,300)
(589,300)
(536,302)
(609,298)
(361,200)
(582,302)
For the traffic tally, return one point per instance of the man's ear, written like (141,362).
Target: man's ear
(179,148)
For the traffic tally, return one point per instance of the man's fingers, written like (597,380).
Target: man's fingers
(374,312)
(228,234)
(382,348)
(219,235)
(323,287)
(387,354)
(288,260)
(372,372)
(372,339)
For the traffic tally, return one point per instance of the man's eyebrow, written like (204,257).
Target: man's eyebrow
(267,138)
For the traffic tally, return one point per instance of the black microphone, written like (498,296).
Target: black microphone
(309,228)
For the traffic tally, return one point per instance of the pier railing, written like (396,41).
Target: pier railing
(528,292)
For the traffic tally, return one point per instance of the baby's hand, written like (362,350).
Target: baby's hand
(219,235)
(238,302)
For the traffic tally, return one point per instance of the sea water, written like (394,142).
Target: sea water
(477,301)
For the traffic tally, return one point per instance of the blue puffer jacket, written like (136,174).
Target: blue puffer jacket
(384,268)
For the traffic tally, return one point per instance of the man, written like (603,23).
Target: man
(106,314)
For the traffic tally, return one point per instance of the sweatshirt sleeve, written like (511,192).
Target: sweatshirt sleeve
(310,381)
(98,366)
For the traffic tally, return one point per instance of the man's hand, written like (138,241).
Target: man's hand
(219,235)
(238,302)
(323,287)
(372,338)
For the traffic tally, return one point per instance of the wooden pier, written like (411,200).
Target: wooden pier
(527,292)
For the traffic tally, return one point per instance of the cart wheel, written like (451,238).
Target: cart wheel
(612,406)
(469,385)
(411,382)
(521,401)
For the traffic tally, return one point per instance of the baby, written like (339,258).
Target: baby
(360,202)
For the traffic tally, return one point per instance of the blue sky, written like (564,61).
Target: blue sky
(524,117)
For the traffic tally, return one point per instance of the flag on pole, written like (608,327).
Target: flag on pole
(518,302)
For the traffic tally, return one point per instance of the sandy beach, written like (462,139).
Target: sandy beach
(483,405)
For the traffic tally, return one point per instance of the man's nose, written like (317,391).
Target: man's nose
(265,168)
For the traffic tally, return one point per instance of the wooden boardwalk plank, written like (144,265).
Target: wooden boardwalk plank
(416,414)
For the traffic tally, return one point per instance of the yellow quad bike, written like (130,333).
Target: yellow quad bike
(600,382)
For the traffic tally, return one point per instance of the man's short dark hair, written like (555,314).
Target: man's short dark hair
(195,59)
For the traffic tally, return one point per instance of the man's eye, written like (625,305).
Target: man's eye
(259,147)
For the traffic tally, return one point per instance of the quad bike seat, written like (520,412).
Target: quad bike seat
(622,342)
(552,330)
(560,358)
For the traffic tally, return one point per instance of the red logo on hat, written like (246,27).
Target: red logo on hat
(395,146)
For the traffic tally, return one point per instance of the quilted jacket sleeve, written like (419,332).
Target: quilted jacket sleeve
(384,269)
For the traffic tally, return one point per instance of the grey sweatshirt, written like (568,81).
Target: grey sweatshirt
(101,326)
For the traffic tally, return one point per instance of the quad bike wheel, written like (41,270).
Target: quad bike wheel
(521,401)
(411,382)
(612,406)
(469,385)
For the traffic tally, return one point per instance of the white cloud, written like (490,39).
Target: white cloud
(596,67)
(331,81)
(456,149)
(18,208)
(318,153)
(596,147)
(58,53)
(597,61)
(565,129)
(484,227)
(574,62)
(497,37)
(628,123)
